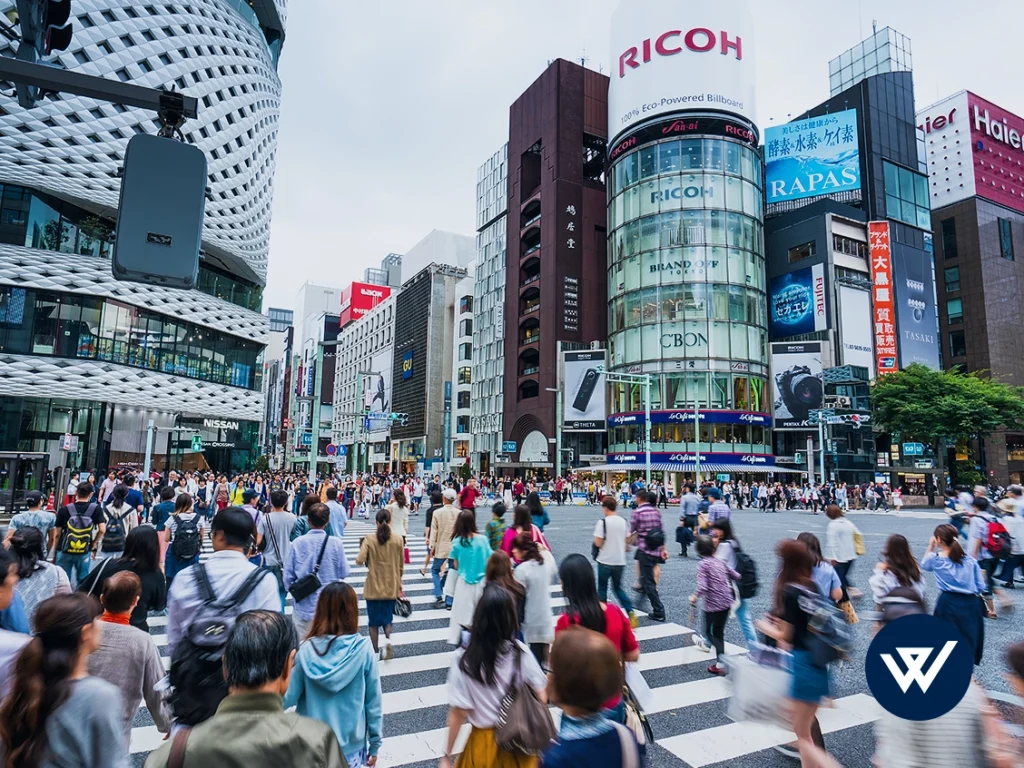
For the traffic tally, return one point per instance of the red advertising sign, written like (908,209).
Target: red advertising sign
(882,301)
(360,298)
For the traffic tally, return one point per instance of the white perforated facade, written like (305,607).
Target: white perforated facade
(69,149)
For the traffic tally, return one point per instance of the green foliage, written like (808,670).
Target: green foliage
(465,472)
(262,464)
(964,473)
(925,405)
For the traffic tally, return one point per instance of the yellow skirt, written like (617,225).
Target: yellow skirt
(482,751)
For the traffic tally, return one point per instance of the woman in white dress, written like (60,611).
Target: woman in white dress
(536,572)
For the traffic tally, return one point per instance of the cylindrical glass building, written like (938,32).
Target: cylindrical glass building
(686,272)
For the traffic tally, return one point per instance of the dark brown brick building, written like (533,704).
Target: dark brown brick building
(556,285)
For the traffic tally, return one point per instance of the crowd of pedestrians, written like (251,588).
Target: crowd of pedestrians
(79,585)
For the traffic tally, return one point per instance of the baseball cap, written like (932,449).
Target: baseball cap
(248,496)
(450,494)
(33,498)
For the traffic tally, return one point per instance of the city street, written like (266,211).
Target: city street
(689,711)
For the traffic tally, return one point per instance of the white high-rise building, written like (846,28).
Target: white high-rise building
(460,429)
(489,310)
(85,354)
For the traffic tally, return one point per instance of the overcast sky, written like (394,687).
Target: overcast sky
(390,107)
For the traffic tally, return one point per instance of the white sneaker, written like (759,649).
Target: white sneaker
(701,644)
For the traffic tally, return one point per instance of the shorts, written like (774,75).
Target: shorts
(810,683)
(417,499)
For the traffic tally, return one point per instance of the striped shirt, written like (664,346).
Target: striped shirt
(645,519)
(713,584)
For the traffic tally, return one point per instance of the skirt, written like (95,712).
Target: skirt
(967,614)
(810,683)
(380,613)
(481,751)
(463,606)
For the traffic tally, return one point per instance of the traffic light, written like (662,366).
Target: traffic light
(197,443)
(44,28)
(400,418)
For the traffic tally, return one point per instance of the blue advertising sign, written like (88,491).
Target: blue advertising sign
(797,303)
(913,449)
(684,417)
(407,365)
(708,460)
(812,157)
(509,446)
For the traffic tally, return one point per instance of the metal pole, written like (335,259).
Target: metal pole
(149,451)
(647,425)
(821,447)
(359,418)
(696,437)
(558,432)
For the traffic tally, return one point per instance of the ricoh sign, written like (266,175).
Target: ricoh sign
(671,56)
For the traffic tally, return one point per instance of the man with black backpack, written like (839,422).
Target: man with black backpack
(648,532)
(79,527)
(202,606)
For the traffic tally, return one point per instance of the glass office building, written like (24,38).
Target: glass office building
(85,355)
(687,293)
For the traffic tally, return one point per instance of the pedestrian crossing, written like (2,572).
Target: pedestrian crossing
(686,708)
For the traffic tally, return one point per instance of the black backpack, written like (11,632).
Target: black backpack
(187,540)
(747,569)
(78,531)
(197,671)
(113,536)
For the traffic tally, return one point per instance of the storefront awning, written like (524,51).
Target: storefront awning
(705,467)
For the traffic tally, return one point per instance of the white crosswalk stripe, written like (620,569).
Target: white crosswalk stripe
(415,690)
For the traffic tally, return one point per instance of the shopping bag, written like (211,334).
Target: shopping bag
(760,688)
(451,582)
(639,687)
(408,556)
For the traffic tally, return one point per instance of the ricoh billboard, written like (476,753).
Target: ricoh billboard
(360,298)
(673,56)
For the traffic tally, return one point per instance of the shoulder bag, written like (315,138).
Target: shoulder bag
(524,722)
(308,585)
(594,549)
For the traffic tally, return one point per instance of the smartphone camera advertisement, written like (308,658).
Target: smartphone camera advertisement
(584,388)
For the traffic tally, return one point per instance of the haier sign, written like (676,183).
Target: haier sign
(812,157)
(671,57)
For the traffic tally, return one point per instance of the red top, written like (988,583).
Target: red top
(468,497)
(616,629)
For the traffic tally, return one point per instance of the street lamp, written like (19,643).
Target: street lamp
(645,380)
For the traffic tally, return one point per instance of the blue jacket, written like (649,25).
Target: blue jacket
(340,688)
(301,560)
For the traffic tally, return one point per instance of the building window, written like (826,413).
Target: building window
(465,351)
(952,279)
(463,400)
(801,252)
(1005,239)
(462,425)
(465,375)
(955,311)
(906,196)
(957,344)
(465,305)
(849,246)
(947,228)
(1015,447)
(466,328)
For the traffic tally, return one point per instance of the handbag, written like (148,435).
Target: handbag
(524,723)
(403,607)
(307,585)
(858,543)
(636,720)
(848,612)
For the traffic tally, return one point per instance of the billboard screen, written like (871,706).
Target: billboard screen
(883,304)
(854,330)
(812,157)
(797,303)
(796,370)
(377,391)
(584,391)
(667,58)
(916,317)
(360,298)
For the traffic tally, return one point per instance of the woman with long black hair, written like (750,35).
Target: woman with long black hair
(382,553)
(469,553)
(141,557)
(479,677)
(584,609)
(55,713)
(38,579)
(961,583)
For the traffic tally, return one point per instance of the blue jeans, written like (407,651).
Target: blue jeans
(613,572)
(73,564)
(435,572)
(746,622)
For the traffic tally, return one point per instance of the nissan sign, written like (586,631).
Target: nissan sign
(672,56)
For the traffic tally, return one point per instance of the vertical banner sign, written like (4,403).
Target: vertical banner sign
(818,285)
(447,421)
(883,304)
(584,401)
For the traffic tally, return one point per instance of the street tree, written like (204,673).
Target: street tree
(932,407)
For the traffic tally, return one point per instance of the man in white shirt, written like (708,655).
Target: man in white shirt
(107,486)
(339,515)
(273,536)
(417,494)
(610,534)
(227,568)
